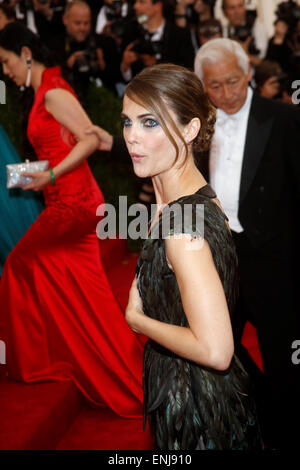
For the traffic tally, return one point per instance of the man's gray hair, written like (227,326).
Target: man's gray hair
(216,50)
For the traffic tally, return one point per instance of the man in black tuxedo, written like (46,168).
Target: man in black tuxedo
(254,167)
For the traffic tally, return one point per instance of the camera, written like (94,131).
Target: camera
(144,46)
(114,16)
(88,63)
(243,32)
(114,11)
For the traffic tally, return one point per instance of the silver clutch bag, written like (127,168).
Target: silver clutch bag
(15,179)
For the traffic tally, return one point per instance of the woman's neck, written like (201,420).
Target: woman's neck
(36,77)
(177,183)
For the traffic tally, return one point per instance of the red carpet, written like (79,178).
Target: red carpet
(53,415)
(34,416)
(103,430)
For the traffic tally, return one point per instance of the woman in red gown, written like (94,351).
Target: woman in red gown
(59,318)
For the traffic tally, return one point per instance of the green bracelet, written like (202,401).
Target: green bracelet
(52,176)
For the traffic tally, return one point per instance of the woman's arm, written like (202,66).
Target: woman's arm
(208,340)
(66,109)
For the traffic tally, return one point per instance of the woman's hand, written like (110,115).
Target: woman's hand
(40,179)
(134,310)
(105,139)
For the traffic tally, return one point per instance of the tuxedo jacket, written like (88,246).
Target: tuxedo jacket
(270,179)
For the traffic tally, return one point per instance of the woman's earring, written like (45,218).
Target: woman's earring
(28,78)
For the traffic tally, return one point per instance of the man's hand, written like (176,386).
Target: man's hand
(72,59)
(129,57)
(148,59)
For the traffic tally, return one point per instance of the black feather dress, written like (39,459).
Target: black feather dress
(191,407)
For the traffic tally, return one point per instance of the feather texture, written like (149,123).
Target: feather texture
(190,406)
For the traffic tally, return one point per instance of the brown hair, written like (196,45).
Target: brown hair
(8,11)
(163,85)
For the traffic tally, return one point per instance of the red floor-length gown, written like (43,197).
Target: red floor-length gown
(59,318)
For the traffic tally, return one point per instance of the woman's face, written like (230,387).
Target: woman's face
(151,151)
(270,88)
(14,66)
(281,28)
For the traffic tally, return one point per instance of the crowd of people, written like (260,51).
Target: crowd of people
(112,41)
(196,138)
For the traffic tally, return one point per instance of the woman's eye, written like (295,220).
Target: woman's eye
(150,122)
(126,122)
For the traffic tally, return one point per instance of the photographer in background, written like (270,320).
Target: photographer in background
(48,19)
(84,55)
(42,17)
(111,11)
(154,38)
(209,29)
(244,27)
(193,13)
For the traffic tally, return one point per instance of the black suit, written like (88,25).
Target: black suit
(176,47)
(269,256)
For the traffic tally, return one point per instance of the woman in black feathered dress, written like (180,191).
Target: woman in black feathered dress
(196,392)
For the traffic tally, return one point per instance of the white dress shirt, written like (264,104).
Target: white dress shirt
(226,158)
